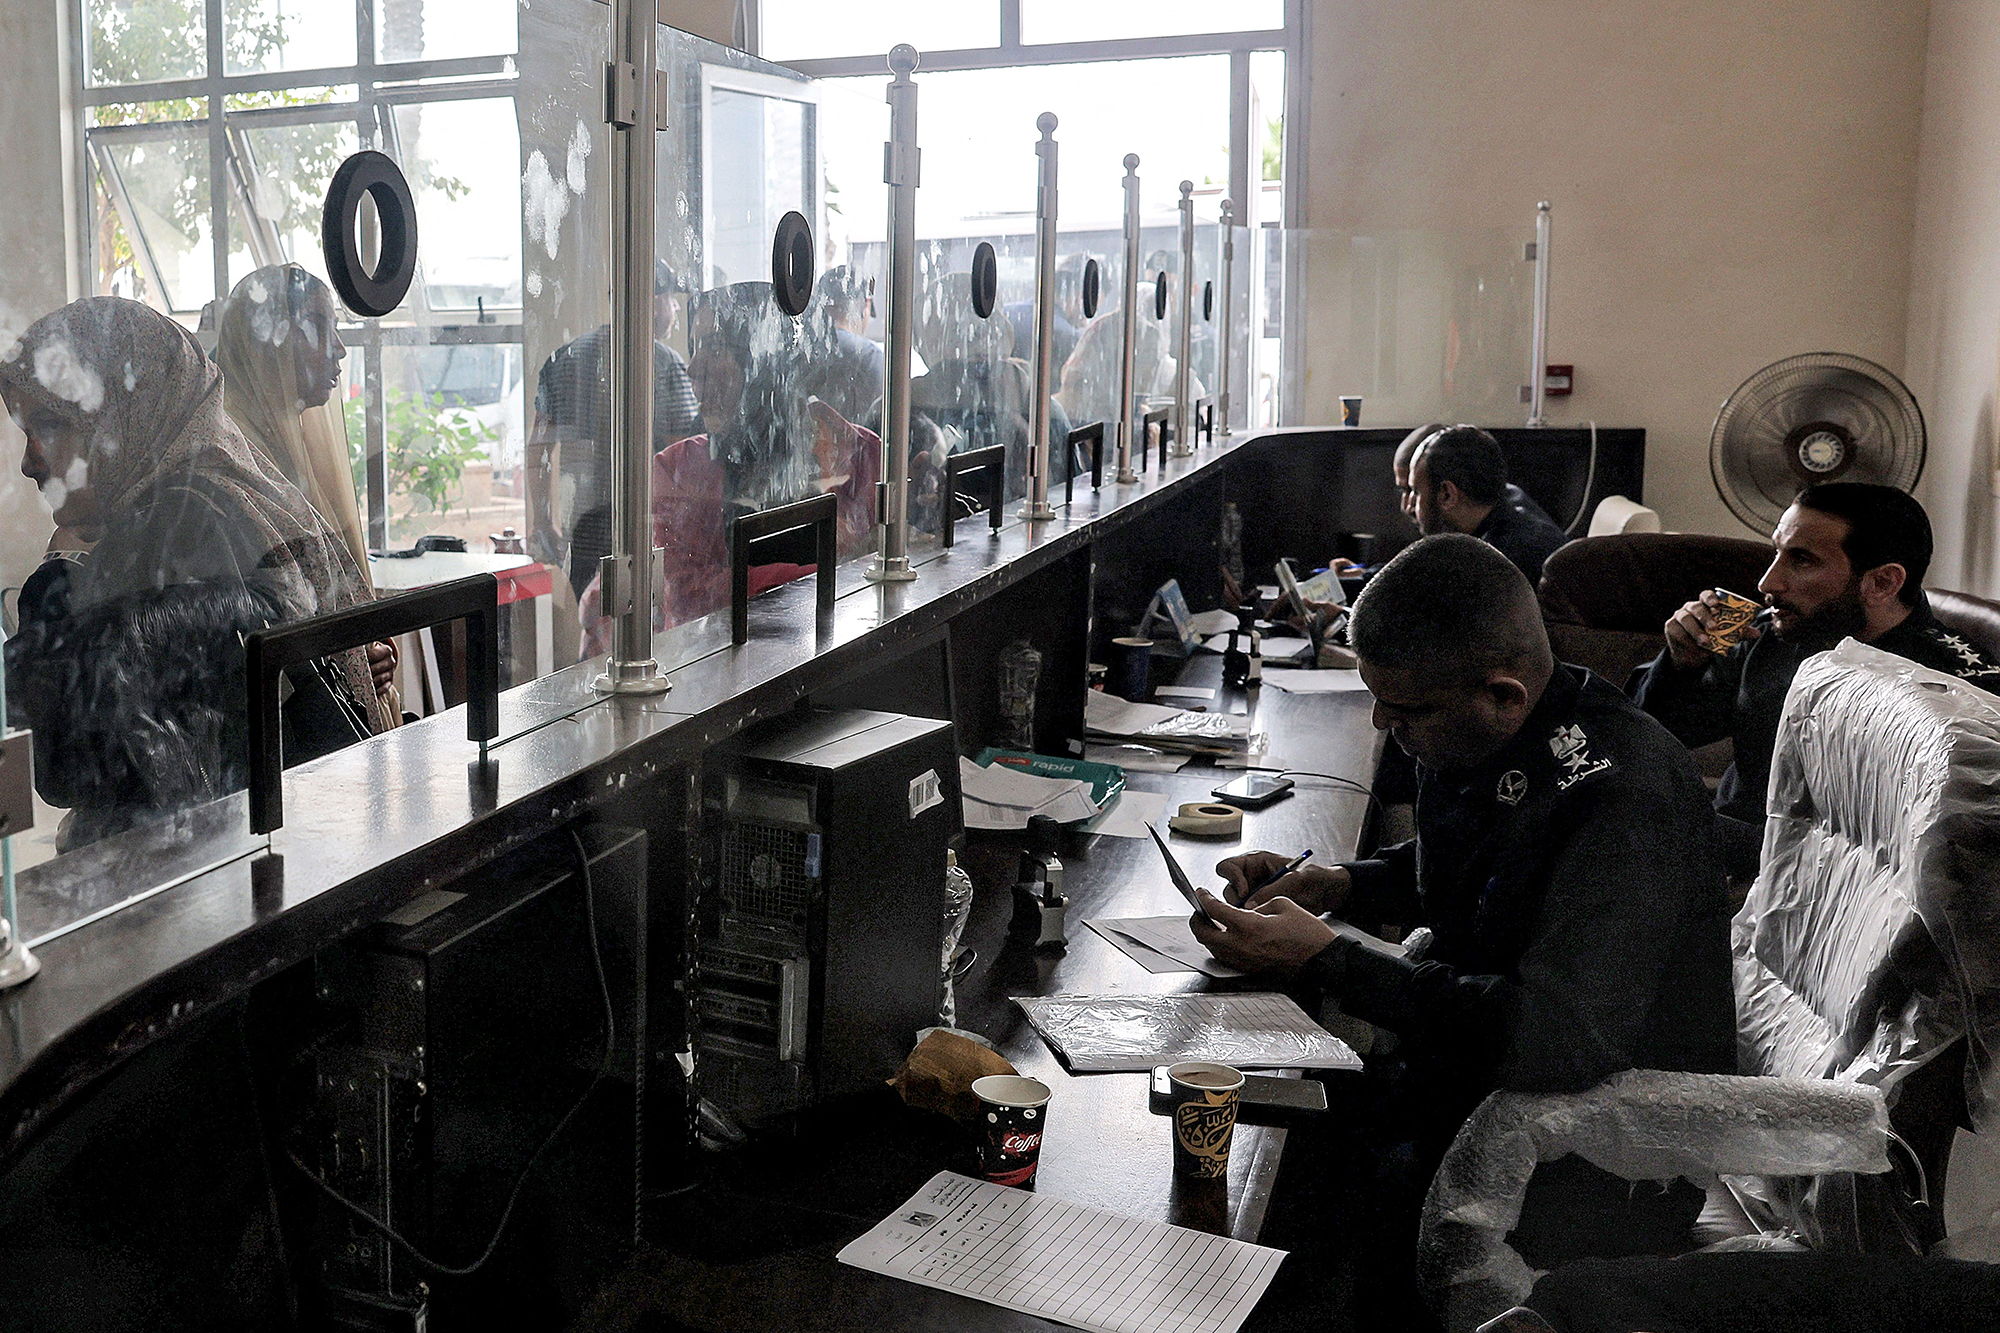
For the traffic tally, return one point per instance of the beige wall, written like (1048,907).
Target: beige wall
(33,278)
(1732,183)
(1954,327)
(713,19)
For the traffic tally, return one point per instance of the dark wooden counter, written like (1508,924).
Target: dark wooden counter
(375,824)
(1103,1147)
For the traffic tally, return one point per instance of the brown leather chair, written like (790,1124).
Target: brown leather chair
(1974,617)
(1606,598)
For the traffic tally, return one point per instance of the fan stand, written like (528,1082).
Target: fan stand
(1820,451)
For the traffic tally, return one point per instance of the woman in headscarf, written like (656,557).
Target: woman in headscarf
(768,444)
(278,344)
(129,663)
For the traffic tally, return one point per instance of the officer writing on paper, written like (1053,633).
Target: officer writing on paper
(1563,861)
(1847,561)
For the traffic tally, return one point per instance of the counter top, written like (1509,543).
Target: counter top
(372,825)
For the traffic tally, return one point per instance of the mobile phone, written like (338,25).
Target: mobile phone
(1253,791)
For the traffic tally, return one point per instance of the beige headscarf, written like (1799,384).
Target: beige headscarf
(262,394)
(183,495)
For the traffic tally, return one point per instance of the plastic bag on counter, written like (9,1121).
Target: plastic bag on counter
(1097,1034)
(1871,939)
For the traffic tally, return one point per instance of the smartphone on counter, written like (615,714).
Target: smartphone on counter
(1253,791)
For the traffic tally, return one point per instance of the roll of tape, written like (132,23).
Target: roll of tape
(1205,820)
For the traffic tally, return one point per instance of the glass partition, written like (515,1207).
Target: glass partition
(1424,325)
(223,447)
(753,407)
(1204,344)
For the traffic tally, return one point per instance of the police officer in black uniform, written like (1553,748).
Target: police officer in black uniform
(1458,483)
(1848,562)
(1563,860)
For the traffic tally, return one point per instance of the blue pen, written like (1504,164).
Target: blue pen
(1278,874)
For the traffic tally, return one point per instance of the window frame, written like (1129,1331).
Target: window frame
(380,87)
(1293,40)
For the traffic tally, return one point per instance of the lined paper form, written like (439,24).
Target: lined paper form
(1062,1261)
(1105,1034)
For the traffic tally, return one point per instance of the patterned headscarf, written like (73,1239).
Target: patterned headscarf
(165,463)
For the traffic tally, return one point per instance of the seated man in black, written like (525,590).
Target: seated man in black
(1458,483)
(1848,561)
(1563,861)
(1512,496)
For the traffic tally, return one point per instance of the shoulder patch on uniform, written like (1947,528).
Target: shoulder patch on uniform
(1971,664)
(1571,747)
(1512,787)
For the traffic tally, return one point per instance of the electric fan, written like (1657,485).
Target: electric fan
(1823,416)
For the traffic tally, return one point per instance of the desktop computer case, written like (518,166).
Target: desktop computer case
(819,910)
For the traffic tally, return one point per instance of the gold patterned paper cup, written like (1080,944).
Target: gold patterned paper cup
(1204,1097)
(1731,619)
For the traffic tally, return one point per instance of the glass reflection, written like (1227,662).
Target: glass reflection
(569,467)
(977,390)
(767,441)
(176,538)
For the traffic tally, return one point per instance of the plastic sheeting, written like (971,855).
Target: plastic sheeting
(1641,1125)
(1097,1034)
(1871,939)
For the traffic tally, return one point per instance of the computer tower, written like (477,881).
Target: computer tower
(819,915)
(458,1033)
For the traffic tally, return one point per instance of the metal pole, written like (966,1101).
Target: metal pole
(1184,349)
(1539,357)
(901,168)
(627,574)
(1222,330)
(1128,392)
(1037,507)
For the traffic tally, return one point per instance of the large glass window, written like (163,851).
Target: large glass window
(809,28)
(1049,21)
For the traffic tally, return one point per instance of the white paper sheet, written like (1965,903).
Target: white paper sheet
(1214,622)
(1165,938)
(1103,1034)
(1280,646)
(1080,1266)
(1129,813)
(1298,681)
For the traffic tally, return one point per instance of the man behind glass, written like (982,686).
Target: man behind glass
(568,456)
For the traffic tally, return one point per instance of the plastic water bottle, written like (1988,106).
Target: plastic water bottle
(1229,541)
(957,907)
(1020,673)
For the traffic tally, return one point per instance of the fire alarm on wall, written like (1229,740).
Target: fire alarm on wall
(1557,380)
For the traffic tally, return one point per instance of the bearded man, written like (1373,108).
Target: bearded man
(1848,561)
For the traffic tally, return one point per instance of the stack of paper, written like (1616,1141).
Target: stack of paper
(1000,797)
(1106,716)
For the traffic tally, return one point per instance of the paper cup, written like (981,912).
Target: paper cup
(1205,1098)
(1350,409)
(1131,664)
(1012,1109)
